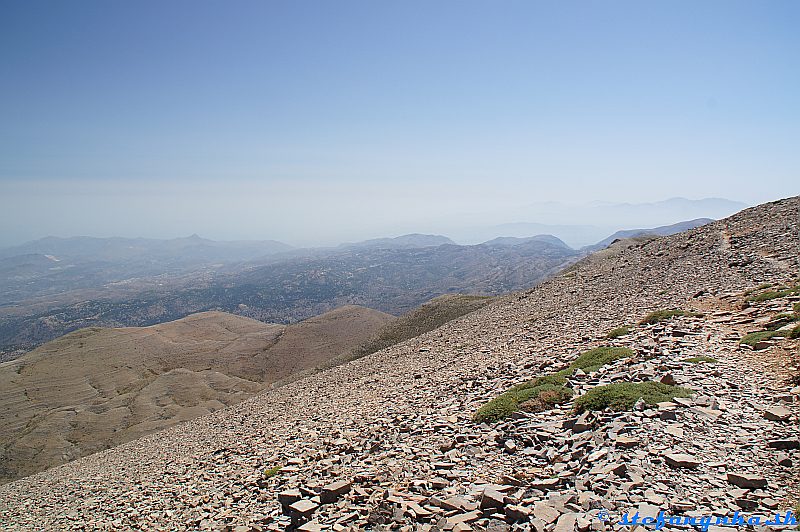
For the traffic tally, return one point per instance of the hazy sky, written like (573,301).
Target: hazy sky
(316,121)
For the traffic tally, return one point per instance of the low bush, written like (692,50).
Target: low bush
(774,294)
(753,338)
(623,395)
(619,331)
(598,357)
(272,471)
(546,391)
(779,320)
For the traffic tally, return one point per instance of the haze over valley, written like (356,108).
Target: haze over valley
(52,286)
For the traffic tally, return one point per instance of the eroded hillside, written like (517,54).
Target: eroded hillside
(96,388)
(389,441)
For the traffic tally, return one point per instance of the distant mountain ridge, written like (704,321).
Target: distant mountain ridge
(665,230)
(509,241)
(413,240)
(584,224)
(119,248)
(145,282)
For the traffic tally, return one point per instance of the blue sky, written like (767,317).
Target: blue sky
(311,121)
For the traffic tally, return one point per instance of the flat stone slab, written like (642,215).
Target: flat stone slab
(681,460)
(747,480)
(778,413)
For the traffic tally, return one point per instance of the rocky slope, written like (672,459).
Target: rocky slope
(96,388)
(388,441)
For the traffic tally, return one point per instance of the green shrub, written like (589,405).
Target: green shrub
(272,471)
(623,395)
(795,333)
(548,390)
(498,408)
(753,338)
(598,357)
(782,291)
(619,331)
(702,359)
(779,320)
(766,296)
(663,315)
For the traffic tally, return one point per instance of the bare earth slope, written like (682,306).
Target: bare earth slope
(96,388)
(398,426)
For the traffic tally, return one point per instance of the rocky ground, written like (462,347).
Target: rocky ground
(388,442)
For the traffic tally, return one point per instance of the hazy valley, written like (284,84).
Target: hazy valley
(58,285)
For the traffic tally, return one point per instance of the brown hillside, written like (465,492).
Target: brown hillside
(96,388)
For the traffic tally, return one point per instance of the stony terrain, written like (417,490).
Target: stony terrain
(388,441)
(96,388)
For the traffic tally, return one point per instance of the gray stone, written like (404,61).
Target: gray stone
(332,492)
(791,443)
(566,523)
(747,480)
(545,512)
(681,460)
(303,509)
(778,413)
(517,513)
(491,500)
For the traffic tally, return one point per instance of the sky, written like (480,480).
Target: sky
(318,122)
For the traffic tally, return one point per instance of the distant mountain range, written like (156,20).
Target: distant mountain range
(45,296)
(177,250)
(664,230)
(55,285)
(414,240)
(584,224)
(646,214)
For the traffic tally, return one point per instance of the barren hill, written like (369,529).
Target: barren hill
(95,388)
(390,441)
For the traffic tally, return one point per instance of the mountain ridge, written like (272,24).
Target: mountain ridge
(664,230)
